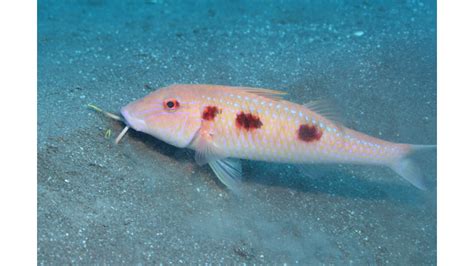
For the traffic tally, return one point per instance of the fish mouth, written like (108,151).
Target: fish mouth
(126,116)
(132,121)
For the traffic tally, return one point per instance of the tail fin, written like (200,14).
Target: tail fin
(408,169)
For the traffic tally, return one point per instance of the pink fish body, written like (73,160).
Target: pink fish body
(224,124)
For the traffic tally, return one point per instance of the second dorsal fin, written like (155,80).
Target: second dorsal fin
(325,109)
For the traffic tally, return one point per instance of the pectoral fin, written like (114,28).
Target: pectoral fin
(206,149)
(227,170)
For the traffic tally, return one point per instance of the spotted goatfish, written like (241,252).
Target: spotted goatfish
(224,124)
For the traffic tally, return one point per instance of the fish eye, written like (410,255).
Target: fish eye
(171,104)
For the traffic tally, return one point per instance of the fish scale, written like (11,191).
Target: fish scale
(224,124)
(277,139)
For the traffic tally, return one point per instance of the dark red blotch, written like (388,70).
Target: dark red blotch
(210,113)
(248,121)
(309,133)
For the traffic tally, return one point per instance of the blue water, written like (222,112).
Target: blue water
(145,202)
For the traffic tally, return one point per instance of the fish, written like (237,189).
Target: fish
(225,124)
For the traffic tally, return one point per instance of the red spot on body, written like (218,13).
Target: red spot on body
(210,112)
(248,121)
(309,133)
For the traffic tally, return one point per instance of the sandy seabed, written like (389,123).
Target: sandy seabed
(145,202)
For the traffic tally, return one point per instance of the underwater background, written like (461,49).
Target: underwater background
(146,202)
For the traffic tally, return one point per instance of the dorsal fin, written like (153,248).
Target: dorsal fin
(327,110)
(271,94)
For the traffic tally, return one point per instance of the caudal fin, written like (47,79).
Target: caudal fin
(408,169)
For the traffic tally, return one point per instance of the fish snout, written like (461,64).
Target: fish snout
(132,121)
